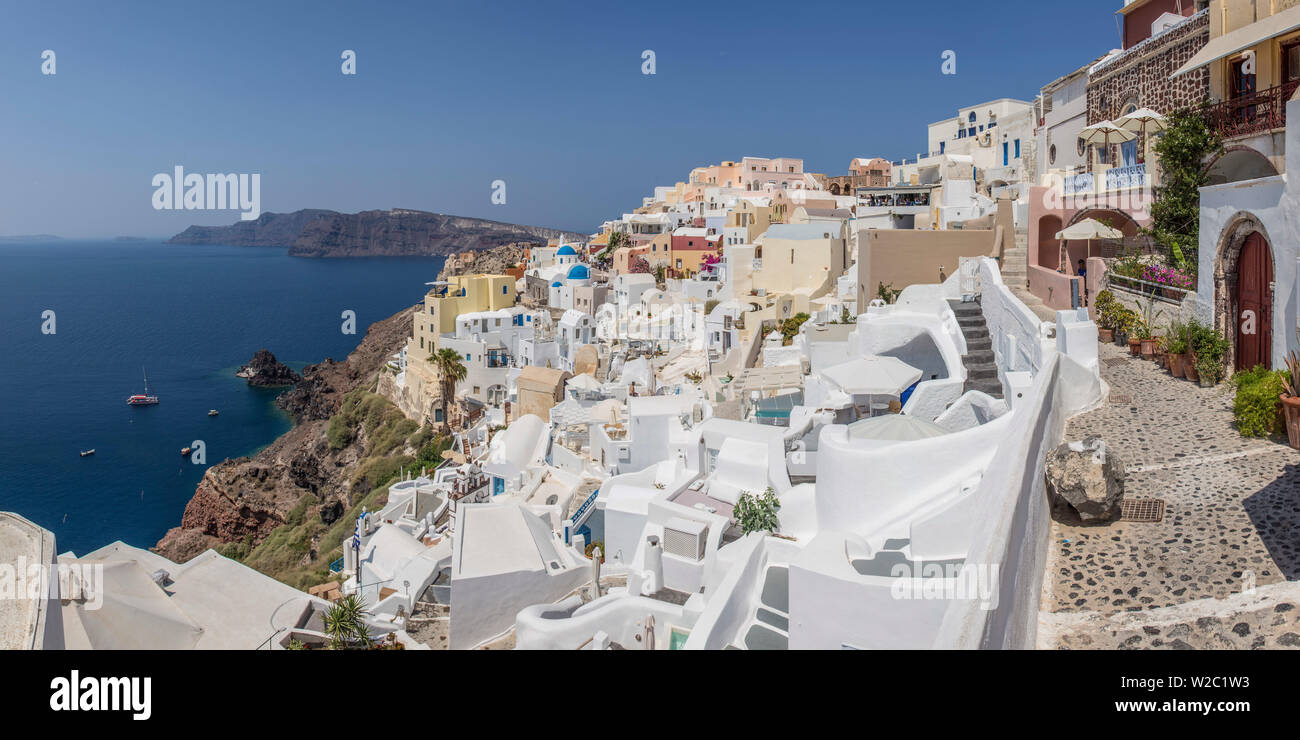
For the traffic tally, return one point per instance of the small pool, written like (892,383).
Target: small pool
(677,638)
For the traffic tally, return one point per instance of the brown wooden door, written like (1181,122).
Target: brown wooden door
(1254,304)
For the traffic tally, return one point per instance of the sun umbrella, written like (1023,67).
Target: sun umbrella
(1104,133)
(873,376)
(1087,229)
(895,428)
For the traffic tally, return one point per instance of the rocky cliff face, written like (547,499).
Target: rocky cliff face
(248,497)
(267,230)
(392,233)
(491,261)
(264,371)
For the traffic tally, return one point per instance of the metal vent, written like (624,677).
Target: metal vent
(685,538)
(1143,510)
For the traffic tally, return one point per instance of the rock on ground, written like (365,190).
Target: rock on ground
(1085,481)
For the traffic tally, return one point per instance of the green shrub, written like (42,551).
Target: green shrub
(757,513)
(1256,409)
(339,433)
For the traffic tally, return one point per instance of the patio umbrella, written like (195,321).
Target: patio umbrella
(1087,229)
(583,382)
(895,428)
(873,376)
(1141,121)
(1104,133)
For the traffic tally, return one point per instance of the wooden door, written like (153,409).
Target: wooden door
(1254,304)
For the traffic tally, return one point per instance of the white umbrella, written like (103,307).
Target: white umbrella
(1142,121)
(1087,229)
(895,428)
(583,382)
(873,376)
(1103,133)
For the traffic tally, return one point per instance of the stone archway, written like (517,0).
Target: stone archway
(1239,163)
(1227,259)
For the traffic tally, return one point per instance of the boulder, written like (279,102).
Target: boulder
(267,372)
(1085,481)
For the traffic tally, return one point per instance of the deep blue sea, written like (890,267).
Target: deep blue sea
(190,316)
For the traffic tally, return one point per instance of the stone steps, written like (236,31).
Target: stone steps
(981,366)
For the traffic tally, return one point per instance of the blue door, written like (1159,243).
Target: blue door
(498,486)
(1005,159)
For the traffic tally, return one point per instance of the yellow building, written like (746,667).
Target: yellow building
(464,294)
(1254,61)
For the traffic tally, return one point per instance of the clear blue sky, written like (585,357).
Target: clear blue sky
(450,96)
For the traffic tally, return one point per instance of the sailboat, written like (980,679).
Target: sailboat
(142,399)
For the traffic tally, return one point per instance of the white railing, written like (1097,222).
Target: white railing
(1121,178)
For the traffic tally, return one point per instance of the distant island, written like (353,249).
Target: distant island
(393,233)
(31,238)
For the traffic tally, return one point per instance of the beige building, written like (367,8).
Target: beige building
(538,390)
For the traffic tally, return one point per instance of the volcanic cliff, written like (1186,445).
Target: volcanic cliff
(246,498)
(392,233)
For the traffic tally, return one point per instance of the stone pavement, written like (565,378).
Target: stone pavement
(1232,520)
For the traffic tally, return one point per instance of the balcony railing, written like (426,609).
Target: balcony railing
(1252,113)
(1080,183)
(1120,178)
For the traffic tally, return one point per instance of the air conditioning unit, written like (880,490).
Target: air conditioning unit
(685,538)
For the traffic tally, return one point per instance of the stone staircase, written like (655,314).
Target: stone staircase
(1015,273)
(981,368)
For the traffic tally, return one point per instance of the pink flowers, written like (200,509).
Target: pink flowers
(1167,276)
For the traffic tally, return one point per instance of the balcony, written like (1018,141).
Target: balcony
(1121,178)
(1077,184)
(1253,113)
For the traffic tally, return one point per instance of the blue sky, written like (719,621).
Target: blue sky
(449,96)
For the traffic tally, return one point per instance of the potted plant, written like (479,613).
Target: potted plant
(1291,399)
(1135,332)
(1146,332)
(1210,352)
(1104,307)
(1176,347)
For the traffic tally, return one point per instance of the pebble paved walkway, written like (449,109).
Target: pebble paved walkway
(1232,519)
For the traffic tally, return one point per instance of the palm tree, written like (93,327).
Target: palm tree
(345,623)
(450,372)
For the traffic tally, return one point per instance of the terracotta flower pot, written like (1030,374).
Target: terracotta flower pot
(1189,367)
(1291,412)
(1176,365)
(1148,347)
(1105,335)
(1134,346)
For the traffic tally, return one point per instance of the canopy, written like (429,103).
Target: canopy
(1141,121)
(1105,133)
(1090,228)
(895,428)
(873,376)
(583,382)
(1243,38)
(135,614)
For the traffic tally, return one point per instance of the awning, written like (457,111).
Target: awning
(1243,38)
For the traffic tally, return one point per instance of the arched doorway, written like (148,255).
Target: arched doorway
(1049,247)
(1243,276)
(1238,164)
(1254,303)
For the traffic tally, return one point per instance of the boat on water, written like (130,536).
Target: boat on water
(87,453)
(185,451)
(212,412)
(143,399)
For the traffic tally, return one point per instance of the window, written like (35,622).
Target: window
(1291,62)
(1051,154)
(467,357)
(503,290)
(1082,146)
(475,390)
(1017,148)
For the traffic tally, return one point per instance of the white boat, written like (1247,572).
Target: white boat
(142,399)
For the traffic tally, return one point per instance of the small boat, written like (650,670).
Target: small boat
(185,451)
(88,453)
(142,399)
(212,412)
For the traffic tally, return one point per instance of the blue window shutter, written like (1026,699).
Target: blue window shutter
(1017,148)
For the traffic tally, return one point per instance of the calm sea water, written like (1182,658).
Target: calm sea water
(190,315)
